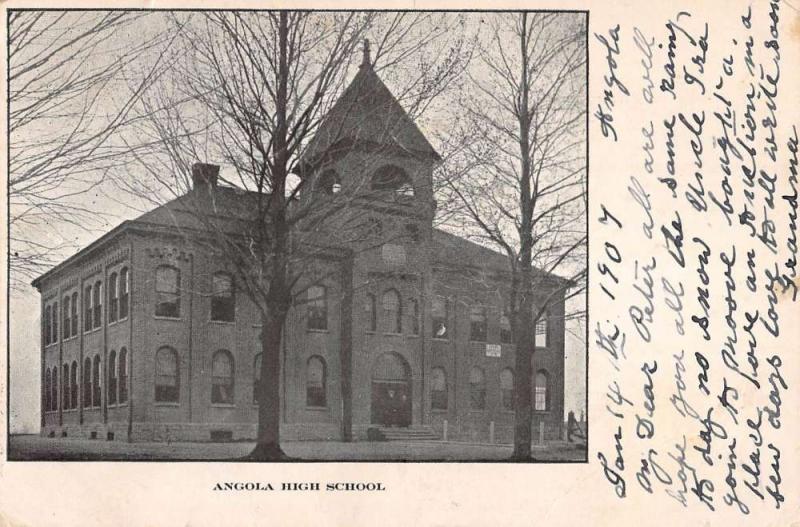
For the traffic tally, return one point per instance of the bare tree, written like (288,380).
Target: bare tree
(517,171)
(252,92)
(68,97)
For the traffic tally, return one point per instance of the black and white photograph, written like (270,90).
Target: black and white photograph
(301,236)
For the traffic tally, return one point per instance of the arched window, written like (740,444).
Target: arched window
(123,376)
(370,311)
(168,299)
(438,389)
(54,389)
(329,182)
(256,377)
(87,308)
(65,390)
(56,312)
(73,385)
(124,289)
(97,300)
(316,394)
(541,331)
(392,315)
(477,389)
(317,307)
(505,330)
(413,312)
(97,388)
(65,307)
(113,298)
(167,378)
(87,382)
(74,312)
(47,330)
(47,403)
(111,393)
(439,318)
(540,395)
(507,388)
(395,179)
(223,299)
(222,378)
(477,324)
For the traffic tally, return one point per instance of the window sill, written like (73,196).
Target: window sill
(317,408)
(223,405)
(477,341)
(440,339)
(73,337)
(477,410)
(173,319)
(413,335)
(93,330)
(70,410)
(167,404)
(390,334)
(118,405)
(313,330)
(439,410)
(223,322)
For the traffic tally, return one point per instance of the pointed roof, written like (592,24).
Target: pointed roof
(368,114)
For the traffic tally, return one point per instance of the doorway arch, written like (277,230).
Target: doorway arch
(391,391)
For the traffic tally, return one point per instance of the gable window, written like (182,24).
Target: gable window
(439,318)
(316,395)
(505,330)
(47,329)
(540,396)
(507,388)
(223,300)
(370,311)
(47,404)
(111,394)
(222,378)
(256,378)
(54,320)
(123,376)
(168,300)
(392,316)
(65,307)
(541,331)
(438,389)
(123,293)
(73,385)
(413,309)
(167,385)
(97,300)
(96,379)
(477,389)
(477,324)
(317,307)
(74,311)
(87,382)
(87,308)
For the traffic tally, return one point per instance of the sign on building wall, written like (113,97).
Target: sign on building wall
(493,350)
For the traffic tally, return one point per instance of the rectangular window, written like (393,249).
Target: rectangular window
(123,293)
(439,319)
(223,303)
(168,301)
(541,332)
(317,308)
(87,309)
(477,324)
(97,300)
(55,322)
(414,313)
(74,307)
(113,298)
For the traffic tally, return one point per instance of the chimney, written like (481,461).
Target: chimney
(204,175)
(366,61)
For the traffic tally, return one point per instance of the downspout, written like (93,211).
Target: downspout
(130,339)
(60,393)
(191,330)
(104,322)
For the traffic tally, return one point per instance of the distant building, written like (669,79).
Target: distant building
(145,336)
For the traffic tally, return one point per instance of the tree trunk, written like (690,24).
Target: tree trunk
(269,398)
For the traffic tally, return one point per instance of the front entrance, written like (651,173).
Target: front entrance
(391,391)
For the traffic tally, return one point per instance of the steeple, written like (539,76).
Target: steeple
(366,60)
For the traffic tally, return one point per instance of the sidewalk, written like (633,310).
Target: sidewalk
(32,447)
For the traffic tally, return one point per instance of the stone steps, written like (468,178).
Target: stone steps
(412,433)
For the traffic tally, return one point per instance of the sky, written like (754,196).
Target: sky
(24,316)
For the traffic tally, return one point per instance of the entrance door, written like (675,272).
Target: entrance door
(391,391)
